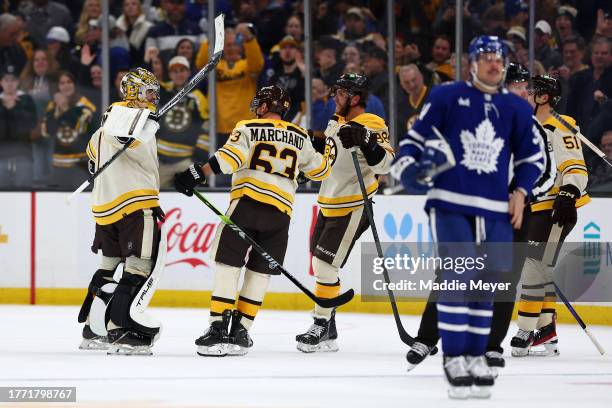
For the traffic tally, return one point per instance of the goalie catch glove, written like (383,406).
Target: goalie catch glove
(189,179)
(564,208)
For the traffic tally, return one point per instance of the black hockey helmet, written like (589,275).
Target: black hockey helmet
(353,84)
(546,85)
(275,97)
(516,73)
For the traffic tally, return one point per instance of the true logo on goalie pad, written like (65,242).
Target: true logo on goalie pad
(481,149)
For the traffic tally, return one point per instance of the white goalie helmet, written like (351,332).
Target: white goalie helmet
(140,85)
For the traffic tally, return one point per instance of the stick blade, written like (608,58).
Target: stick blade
(336,301)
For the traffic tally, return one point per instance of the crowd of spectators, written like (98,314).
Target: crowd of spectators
(51,67)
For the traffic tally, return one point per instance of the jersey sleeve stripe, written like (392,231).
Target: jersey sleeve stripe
(229,158)
(571,162)
(236,152)
(320,172)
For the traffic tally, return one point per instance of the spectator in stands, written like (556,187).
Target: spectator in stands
(115,95)
(601,60)
(268,16)
(24,39)
(445,21)
(165,35)
(154,64)
(39,80)
(600,174)
(134,24)
(411,100)
(465,66)
(326,56)
(295,28)
(197,12)
(17,119)
(92,10)
(58,44)
(41,15)
(11,53)
(323,107)
(182,134)
(604,23)
(352,55)
(576,75)
(237,74)
(564,23)
(440,55)
(186,48)
(375,67)
(543,52)
(288,75)
(69,120)
(355,26)
(493,21)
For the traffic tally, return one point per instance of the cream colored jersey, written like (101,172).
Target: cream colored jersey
(571,168)
(340,193)
(130,183)
(265,157)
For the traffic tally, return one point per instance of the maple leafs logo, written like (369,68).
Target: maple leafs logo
(481,150)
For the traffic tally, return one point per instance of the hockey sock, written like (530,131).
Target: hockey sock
(532,295)
(548,307)
(251,296)
(479,327)
(327,286)
(453,321)
(224,292)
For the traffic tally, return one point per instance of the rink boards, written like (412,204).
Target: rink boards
(45,255)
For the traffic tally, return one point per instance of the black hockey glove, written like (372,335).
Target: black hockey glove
(301,178)
(189,179)
(125,140)
(564,207)
(352,136)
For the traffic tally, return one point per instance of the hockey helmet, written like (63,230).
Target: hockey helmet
(275,97)
(516,73)
(487,44)
(546,85)
(353,84)
(137,83)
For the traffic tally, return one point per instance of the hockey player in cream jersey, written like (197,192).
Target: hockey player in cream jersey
(536,311)
(264,155)
(126,210)
(341,218)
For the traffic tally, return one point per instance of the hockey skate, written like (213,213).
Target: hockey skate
(129,343)
(546,341)
(482,376)
(320,337)
(495,361)
(239,339)
(215,342)
(417,354)
(458,377)
(91,341)
(521,342)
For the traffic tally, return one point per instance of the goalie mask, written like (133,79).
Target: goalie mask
(140,85)
(276,99)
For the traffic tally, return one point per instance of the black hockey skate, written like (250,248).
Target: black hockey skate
(482,375)
(521,342)
(239,339)
(129,342)
(91,341)
(459,378)
(215,342)
(546,341)
(495,361)
(417,354)
(320,337)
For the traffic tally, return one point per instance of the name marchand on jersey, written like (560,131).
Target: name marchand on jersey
(265,157)
(571,168)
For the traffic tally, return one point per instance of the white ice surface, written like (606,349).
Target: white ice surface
(38,347)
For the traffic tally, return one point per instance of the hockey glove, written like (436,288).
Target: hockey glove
(91,166)
(437,158)
(564,208)
(189,179)
(406,170)
(352,136)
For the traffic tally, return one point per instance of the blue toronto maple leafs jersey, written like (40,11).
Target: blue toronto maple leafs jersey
(484,132)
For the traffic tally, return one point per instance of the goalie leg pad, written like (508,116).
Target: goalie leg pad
(99,294)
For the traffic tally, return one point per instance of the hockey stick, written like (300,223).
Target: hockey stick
(193,82)
(392,190)
(549,260)
(582,138)
(403,334)
(327,303)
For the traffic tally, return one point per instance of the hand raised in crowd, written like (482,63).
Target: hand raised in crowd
(299,60)
(411,52)
(599,96)
(9,101)
(150,53)
(449,14)
(243,28)
(86,55)
(564,72)
(61,103)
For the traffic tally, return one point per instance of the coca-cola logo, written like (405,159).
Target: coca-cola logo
(189,242)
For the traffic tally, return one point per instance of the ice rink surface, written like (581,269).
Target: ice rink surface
(38,347)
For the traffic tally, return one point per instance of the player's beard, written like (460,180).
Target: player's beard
(288,63)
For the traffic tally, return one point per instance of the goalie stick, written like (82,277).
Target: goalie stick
(403,334)
(327,303)
(193,82)
(549,261)
(582,137)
